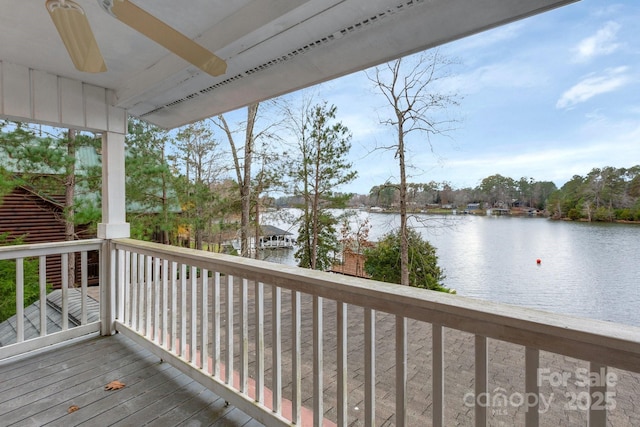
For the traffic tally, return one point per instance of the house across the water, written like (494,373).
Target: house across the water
(271,237)
(274,237)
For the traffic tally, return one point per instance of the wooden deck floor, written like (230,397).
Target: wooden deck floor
(39,390)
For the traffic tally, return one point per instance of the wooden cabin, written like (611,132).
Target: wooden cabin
(29,217)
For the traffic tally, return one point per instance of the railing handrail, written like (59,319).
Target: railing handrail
(43,251)
(51,248)
(603,342)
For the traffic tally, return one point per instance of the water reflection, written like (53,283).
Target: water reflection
(589,270)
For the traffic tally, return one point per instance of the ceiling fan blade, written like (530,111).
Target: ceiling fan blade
(76,34)
(163,34)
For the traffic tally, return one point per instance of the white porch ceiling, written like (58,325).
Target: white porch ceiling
(271,46)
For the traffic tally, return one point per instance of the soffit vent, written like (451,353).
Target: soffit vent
(401,7)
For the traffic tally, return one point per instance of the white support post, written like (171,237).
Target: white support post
(107,288)
(114,224)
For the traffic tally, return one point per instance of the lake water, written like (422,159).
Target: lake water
(588,270)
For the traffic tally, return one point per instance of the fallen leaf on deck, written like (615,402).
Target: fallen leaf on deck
(114,385)
(72,408)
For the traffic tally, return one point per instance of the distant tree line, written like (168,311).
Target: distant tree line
(493,191)
(604,194)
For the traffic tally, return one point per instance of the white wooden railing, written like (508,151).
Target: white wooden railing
(39,253)
(292,346)
(220,319)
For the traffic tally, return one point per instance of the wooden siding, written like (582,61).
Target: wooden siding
(352,265)
(24,214)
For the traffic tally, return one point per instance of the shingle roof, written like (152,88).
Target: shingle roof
(8,332)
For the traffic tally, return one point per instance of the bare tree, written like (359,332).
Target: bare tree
(243,159)
(412,89)
(243,170)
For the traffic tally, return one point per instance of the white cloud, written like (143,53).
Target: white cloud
(603,42)
(488,38)
(612,79)
(511,74)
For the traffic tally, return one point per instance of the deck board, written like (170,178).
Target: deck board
(38,390)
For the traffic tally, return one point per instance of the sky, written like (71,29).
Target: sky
(548,97)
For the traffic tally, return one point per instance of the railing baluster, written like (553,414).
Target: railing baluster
(437,354)
(164,337)
(83,284)
(481,379)
(369,366)
(127,288)
(244,336)
(194,315)
(20,300)
(183,311)
(157,331)
(229,333)
(134,291)
(140,292)
(531,386)
(65,291)
(276,346)
(215,321)
(42,276)
(401,371)
(174,307)
(259,296)
(31,332)
(204,321)
(342,364)
(296,365)
(599,400)
(318,363)
(120,282)
(148,330)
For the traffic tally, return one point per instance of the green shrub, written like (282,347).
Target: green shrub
(573,214)
(8,286)
(8,282)
(383,262)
